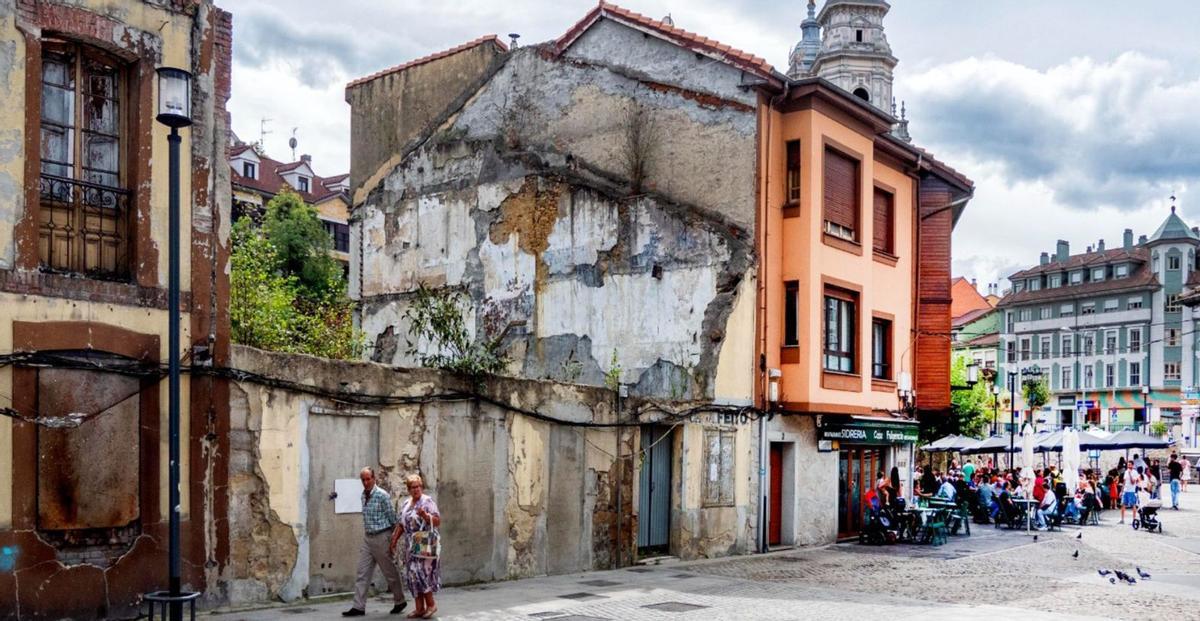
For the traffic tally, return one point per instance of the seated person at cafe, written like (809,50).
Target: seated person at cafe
(1046,507)
(947,490)
(984,495)
(1039,486)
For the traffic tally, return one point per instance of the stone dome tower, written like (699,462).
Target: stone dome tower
(806,51)
(854,53)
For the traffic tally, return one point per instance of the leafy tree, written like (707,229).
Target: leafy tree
(1036,392)
(438,336)
(970,409)
(272,308)
(302,244)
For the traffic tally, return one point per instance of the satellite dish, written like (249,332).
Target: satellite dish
(292,142)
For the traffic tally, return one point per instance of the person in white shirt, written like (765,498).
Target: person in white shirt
(1130,481)
(1046,508)
(947,490)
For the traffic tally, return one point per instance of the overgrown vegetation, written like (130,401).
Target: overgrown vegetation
(286,292)
(612,378)
(639,145)
(438,336)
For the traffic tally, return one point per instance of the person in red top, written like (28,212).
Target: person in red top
(1039,486)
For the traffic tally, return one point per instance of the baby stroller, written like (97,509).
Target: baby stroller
(880,528)
(1147,516)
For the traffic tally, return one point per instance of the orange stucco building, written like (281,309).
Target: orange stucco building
(854,301)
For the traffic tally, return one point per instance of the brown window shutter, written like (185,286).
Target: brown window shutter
(884,218)
(841,190)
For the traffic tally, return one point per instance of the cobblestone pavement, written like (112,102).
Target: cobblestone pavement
(993,574)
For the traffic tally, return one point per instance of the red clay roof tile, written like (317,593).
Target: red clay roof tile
(432,57)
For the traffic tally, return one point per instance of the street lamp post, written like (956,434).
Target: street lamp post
(1145,405)
(995,414)
(1012,417)
(174,111)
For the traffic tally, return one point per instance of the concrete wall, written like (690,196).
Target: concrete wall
(522,200)
(519,496)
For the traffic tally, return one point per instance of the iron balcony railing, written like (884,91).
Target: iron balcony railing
(83,228)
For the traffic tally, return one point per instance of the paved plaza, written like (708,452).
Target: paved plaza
(993,574)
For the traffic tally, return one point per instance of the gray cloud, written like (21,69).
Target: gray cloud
(1096,134)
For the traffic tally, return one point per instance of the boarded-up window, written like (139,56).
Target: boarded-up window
(718,467)
(793,171)
(88,476)
(841,195)
(885,210)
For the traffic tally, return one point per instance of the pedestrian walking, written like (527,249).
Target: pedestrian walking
(1187,471)
(380,526)
(1176,470)
(1130,483)
(419,523)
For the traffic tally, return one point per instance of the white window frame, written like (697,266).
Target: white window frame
(1171,337)
(1097,274)
(1110,375)
(1067,345)
(1066,378)
(1135,334)
(1171,372)
(1046,346)
(1135,374)
(1088,308)
(1089,374)
(1112,337)
(1026,314)
(1174,262)
(1122,270)
(1026,348)
(1055,281)
(1066,310)
(1112,305)
(1045,312)
(1133,303)
(1076,277)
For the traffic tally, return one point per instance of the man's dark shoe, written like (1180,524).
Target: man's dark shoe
(399,608)
(354,612)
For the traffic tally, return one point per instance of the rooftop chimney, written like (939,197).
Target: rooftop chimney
(1196,230)
(974,285)
(1089,250)
(1064,251)
(306,158)
(1045,258)
(1141,239)
(512,40)
(1100,246)
(1128,239)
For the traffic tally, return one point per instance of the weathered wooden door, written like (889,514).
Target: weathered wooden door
(654,491)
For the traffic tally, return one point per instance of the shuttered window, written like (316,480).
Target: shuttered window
(791,306)
(840,331)
(885,209)
(841,195)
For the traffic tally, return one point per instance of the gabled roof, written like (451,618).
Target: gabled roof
(692,41)
(1141,277)
(492,39)
(970,316)
(1087,259)
(270,180)
(1173,228)
(985,340)
(965,298)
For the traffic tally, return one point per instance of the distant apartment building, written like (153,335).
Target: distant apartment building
(257,179)
(974,324)
(1106,329)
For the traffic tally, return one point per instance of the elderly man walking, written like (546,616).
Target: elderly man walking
(379,523)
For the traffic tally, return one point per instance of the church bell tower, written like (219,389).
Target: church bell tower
(854,52)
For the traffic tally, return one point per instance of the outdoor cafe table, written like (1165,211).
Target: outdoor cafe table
(1027,505)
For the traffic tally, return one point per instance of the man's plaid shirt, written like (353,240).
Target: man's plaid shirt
(378,513)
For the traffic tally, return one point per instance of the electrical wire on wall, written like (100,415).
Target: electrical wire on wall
(154,371)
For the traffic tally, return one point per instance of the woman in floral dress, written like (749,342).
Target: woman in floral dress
(423,575)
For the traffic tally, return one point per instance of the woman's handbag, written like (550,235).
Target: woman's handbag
(425,542)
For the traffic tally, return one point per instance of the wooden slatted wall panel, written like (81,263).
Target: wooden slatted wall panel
(932,360)
(841,189)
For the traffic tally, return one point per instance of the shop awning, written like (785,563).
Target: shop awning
(1132,399)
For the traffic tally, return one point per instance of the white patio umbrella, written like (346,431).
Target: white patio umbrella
(1027,443)
(1071,458)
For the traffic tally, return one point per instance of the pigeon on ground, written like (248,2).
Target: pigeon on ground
(1122,575)
(1076,554)
(1103,572)
(1132,580)
(1112,580)
(1144,575)
(1079,536)
(1035,537)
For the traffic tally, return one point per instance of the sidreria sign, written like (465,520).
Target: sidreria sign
(865,432)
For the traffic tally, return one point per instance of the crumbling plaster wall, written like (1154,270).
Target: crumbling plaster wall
(520,496)
(519,200)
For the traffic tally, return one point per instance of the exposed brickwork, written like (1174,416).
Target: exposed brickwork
(87,289)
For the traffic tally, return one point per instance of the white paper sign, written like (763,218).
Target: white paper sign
(349,496)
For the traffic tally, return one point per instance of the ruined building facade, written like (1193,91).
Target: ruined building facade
(593,199)
(83,302)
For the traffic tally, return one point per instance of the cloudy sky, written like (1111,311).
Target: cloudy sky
(1076,118)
